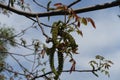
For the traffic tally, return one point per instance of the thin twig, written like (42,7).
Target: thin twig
(40,22)
(39,4)
(73,3)
(17,54)
(15,72)
(25,56)
(22,32)
(35,77)
(56,13)
(16,43)
(41,28)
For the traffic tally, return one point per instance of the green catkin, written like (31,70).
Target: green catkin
(60,65)
(60,62)
(51,61)
(71,40)
(54,32)
(58,30)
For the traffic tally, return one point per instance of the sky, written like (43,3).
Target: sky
(104,40)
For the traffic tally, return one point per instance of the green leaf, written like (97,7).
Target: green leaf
(110,62)
(84,21)
(71,29)
(99,57)
(102,70)
(79,32)
(107,73)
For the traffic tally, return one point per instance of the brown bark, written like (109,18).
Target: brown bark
(55,13)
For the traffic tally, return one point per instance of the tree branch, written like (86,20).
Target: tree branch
(63,71)
(39,4)
(70,5)
(55,13)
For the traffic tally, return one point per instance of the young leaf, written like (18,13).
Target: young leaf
(99,57)
(92,22)
(43,53)
(84,21)
(58,4)
(110,62)
(73,65)
(79,32)
(78,24)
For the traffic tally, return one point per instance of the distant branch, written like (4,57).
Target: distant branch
(55,13)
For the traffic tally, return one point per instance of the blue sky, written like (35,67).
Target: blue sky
(104,40)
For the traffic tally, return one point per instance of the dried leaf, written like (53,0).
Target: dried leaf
(92,22)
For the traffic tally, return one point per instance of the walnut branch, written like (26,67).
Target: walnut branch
(55,13)
(35,77)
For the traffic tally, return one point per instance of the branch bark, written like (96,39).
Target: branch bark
(55,13)
(35,77)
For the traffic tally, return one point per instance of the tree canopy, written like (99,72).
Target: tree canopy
(58,46)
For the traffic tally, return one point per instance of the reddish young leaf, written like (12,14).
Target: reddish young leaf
(42,53)
(78,24)
(74,51)
(92,22)
(73,65)
(71,60)
(58,4)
